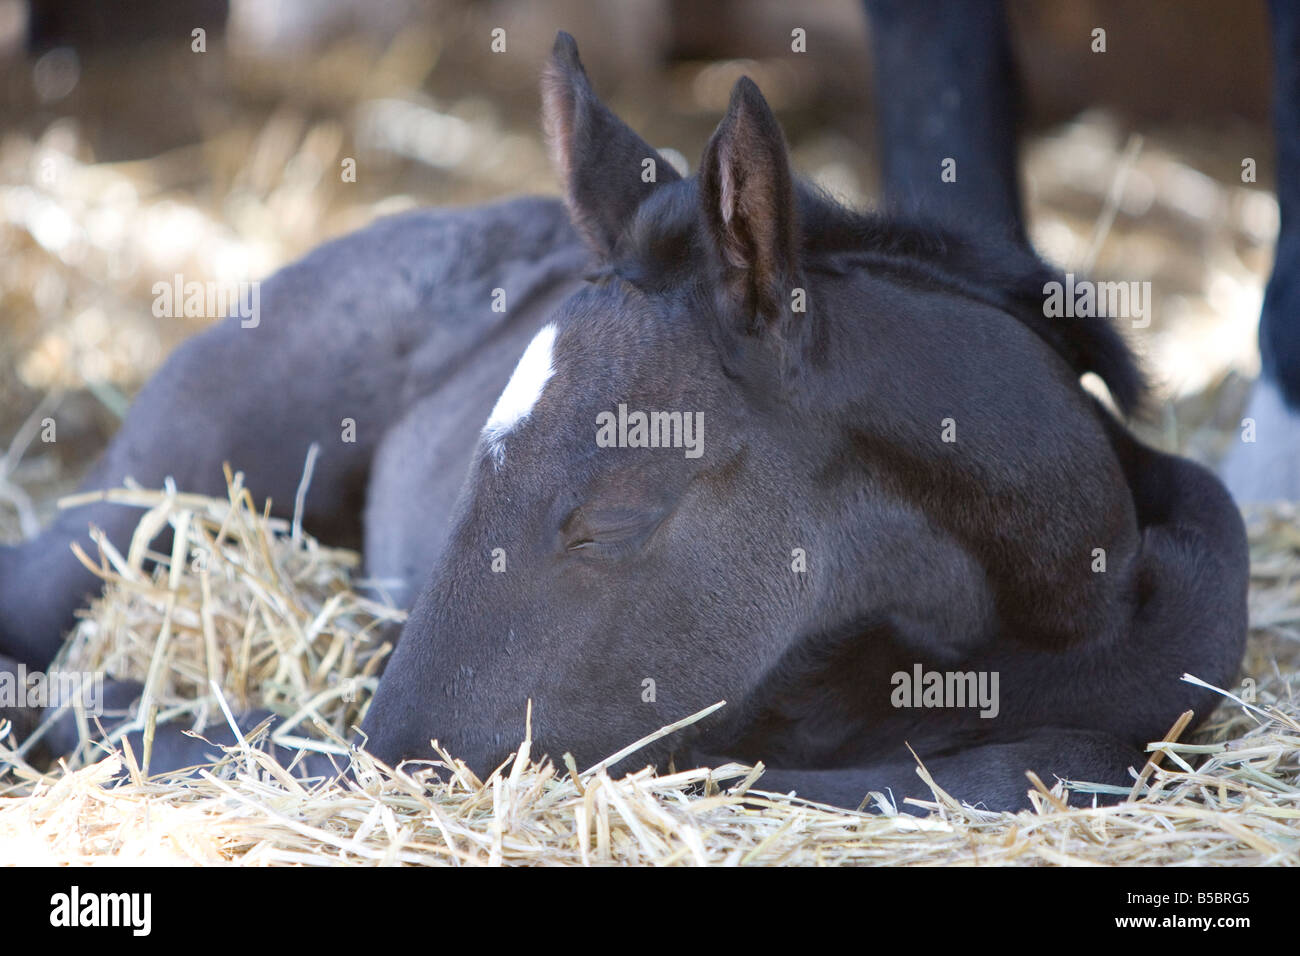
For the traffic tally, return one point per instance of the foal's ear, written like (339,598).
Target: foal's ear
(602,163)
(749,212)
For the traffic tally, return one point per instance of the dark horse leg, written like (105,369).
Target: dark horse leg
(944,92)
(230,394)
(1269,467)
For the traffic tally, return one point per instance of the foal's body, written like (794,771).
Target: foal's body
(823,435)
(372,327)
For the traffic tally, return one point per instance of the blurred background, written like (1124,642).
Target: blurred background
(127,156)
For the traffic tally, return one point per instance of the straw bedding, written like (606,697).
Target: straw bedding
(248,610)
(273,619)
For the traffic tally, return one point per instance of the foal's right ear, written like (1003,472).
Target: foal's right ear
(748,199)
(607,169)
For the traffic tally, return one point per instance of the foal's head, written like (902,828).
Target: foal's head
(732,444)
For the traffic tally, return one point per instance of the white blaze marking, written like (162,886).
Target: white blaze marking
(523,390)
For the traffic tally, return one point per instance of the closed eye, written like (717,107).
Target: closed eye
(609,533)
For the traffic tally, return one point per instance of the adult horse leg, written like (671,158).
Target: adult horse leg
(1269,466)
(944,93)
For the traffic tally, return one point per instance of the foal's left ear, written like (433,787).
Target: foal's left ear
(607,169)
(749,213)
